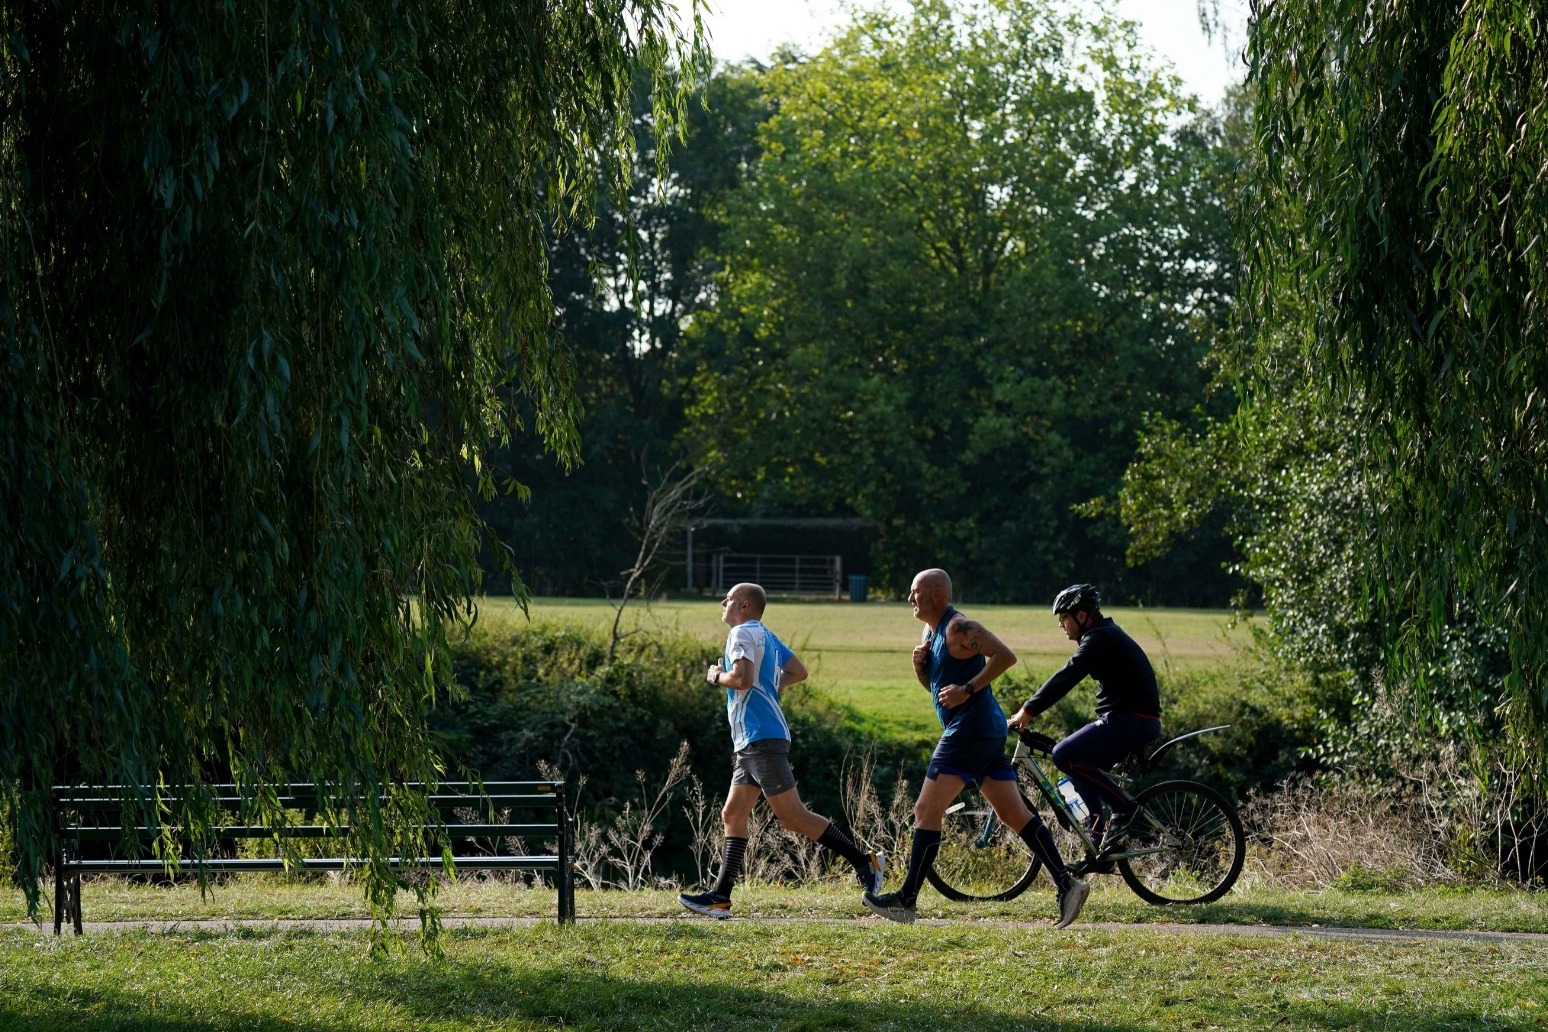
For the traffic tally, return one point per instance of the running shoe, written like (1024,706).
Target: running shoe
(875,867)
(708,904)
(1072,896)
(892,906)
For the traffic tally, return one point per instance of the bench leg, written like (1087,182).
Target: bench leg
(67,901)
(565,875)
(67,888)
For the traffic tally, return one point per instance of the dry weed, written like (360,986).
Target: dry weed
(1310,836)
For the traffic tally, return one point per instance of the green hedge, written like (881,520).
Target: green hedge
(546,694)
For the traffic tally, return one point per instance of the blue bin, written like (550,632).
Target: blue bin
(857,585)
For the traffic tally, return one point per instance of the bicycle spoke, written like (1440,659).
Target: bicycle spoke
(1186,847)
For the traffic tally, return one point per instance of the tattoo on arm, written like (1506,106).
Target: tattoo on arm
(970,631)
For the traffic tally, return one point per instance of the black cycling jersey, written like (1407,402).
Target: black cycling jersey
(1126,683)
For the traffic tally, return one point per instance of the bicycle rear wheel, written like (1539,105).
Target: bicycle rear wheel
(979,859)
(1191,844)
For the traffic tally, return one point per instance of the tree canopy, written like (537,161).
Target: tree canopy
(1385,473)
(624,288)
(1400,208)
(275,280)
(981,241)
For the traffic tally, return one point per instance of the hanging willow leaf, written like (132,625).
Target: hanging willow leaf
(271,272)
(1399,195)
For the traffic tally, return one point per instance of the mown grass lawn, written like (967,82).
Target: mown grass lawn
(858,654)
(762,975)
(270,897)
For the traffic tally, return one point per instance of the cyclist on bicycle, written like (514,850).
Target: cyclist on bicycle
(1128,707)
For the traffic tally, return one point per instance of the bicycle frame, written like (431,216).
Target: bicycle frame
(1024,758)
(1183,844)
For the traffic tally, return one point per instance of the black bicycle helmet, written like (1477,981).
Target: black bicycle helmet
(1077,596)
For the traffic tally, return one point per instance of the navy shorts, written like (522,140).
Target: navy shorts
(971,759)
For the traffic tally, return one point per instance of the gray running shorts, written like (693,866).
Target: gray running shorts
(765,763)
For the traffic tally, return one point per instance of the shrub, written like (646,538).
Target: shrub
(544,697)
(1313,835)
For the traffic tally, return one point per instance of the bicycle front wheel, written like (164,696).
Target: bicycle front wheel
(1185,845)
(979,859)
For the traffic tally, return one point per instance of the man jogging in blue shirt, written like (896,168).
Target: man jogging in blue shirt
(956,662)
(756,665)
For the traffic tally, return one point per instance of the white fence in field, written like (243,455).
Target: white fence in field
(779,574)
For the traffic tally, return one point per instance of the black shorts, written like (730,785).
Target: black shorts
(765,763)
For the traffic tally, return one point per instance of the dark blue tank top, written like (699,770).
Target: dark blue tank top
(980,716)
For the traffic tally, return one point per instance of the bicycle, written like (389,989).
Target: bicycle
(1185,843)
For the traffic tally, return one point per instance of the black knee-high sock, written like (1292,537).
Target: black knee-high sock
(920,856)
(842,843)
(730,865)
(1040,840)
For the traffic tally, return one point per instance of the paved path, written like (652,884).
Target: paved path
(412,924)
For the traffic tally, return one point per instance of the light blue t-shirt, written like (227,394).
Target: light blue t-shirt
(754,714)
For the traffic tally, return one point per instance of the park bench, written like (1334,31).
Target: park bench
(477,823)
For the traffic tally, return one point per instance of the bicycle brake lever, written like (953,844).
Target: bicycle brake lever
(1035,740)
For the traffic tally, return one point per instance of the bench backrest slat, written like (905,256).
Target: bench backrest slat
(524,810)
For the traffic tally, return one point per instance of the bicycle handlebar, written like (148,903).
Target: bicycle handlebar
(1035,740)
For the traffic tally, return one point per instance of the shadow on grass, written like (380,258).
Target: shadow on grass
(474,992)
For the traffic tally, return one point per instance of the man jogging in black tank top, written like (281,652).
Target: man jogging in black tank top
(957,662)
(1128,707)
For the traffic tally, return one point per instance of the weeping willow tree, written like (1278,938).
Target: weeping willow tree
(1398,220)
(273,282)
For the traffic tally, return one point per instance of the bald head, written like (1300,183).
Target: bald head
(744,602)
(934,580)
(930,594)
(754,595)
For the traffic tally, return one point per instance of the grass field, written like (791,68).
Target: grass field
(859,653)
(268,897)
(748,974)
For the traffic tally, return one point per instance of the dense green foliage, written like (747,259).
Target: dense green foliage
(624,287)
(1396,225)
(980,243)
(1050,255)
(272,279)
(1383,475)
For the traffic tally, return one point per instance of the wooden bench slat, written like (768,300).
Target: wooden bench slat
(238,864)
(109,833)
(111,802)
